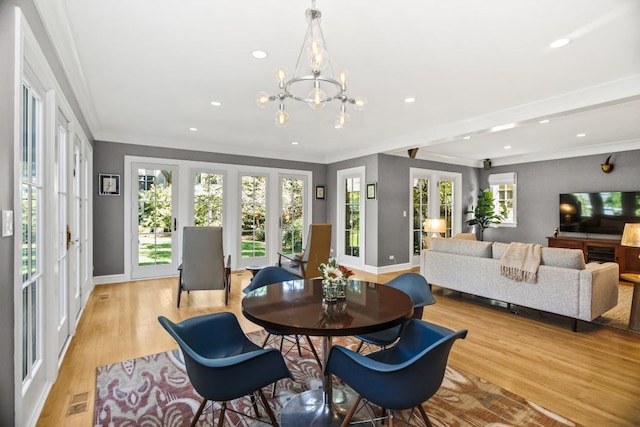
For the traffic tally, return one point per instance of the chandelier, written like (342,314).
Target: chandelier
(308,83)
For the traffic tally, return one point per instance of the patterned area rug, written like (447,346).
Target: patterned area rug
(155,391)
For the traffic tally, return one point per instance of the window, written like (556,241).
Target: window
(503,186)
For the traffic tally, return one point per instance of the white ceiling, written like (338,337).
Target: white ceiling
(146,71)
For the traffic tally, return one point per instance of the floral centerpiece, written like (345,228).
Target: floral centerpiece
(334,279)
(332,272)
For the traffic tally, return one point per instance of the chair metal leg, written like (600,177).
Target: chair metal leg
(347,418)
(266,340)
(254,403)
(198,413)
(359,347)
(222,411)
(179,294)
(424,416)
(298,345)
(267,409)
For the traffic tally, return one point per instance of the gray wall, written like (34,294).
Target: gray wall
(108,211)
(386,228)
(540,183)
(7,398)
(7,183)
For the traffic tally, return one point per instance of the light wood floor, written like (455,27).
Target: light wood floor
(591,377)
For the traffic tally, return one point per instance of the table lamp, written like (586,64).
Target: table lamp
(631,236)
(434,226)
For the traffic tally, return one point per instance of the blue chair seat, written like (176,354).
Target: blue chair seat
(417,287)
(222,363)
(401,377)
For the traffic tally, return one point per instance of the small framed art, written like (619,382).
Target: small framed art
(109,185)
(371,191)
(319,191)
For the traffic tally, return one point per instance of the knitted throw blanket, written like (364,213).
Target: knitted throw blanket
(520,262)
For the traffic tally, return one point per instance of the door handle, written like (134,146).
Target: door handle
(175,224)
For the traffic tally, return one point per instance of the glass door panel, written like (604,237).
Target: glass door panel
(420,212)
(253,213)
(292,224)
(446,205)
(352,217)
(154,252)
(208,199)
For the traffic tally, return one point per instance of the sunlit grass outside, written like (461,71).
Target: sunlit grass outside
(158,251)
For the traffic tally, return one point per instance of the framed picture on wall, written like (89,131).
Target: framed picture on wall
(371,190)
(319,191)
(109,185)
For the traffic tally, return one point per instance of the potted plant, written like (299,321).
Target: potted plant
(484,214)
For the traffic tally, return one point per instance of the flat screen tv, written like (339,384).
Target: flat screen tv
(604,212)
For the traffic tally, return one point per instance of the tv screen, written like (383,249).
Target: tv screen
(604,212)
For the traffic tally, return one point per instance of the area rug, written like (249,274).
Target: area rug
(155,391)
(618,316)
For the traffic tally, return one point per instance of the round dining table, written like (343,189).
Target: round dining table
(297,307)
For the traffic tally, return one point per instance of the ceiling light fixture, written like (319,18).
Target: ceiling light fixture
(216,103)
(545,121)
(193,129)
(580,135)
(315,88)
(466,137)
(259,54)
(560,43)
(410,100)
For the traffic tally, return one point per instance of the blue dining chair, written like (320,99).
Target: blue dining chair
(401,377)
(223,364)
(417,287)
(268,276)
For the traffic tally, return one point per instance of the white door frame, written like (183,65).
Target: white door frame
(351,261)
(434,177)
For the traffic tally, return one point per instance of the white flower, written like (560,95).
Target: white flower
(332,273)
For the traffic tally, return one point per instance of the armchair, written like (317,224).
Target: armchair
(316,252)
(203,265)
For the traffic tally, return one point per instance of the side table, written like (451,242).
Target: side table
(634,318)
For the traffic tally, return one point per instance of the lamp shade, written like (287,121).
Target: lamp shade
(631,235)
(435,225)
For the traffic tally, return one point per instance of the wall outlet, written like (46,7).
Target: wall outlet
(392,257)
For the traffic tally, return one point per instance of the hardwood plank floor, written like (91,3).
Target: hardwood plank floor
(591,377)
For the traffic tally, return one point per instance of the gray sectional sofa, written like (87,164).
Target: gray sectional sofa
(565,285)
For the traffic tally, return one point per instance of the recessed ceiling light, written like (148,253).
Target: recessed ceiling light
(542,122)
(580,135)
(410,100)
(259,54)
(294,143)
(216,103)
(560,43)
(502,127)
(193,129)
(466,137)
(507,147)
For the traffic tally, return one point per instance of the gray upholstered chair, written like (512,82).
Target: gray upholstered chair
(203,266)
(316,252)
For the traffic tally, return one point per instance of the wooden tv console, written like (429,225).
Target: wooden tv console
(602,250)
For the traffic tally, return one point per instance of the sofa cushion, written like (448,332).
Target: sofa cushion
(565,258)
(462,247)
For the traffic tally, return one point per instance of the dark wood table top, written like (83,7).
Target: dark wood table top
(296,308)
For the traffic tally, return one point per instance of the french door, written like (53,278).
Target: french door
(154,204)
(351,221)
(434,194)
(254,220)
(292,224)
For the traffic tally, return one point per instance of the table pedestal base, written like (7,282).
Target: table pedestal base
(309,409)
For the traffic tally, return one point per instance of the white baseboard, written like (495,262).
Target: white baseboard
(112,278)
(386,269)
